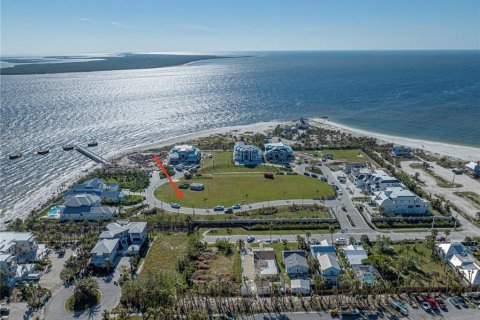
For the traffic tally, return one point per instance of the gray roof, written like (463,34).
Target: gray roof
(295,260)
(327,261)
(80,200)
(104,246)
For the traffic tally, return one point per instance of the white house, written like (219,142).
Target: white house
(467,267)
(446,250)
(355,254)
(103,250)
(473,168)
(245,154)
(8,269)
(378,180)
(300,285)
(278,153)
(131,235)
(295,262)
(398,200)
(85,207)
(329,267)
(265,263)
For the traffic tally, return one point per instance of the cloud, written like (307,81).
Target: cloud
(118,24)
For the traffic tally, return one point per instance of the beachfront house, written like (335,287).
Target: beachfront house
(473,168)
(295,263)
(8,269)
(85,207)
(355,254)
(184,154)
(466,267)
(108,191)
(401,151)
(132,235)
(329,267)
(278,153)
(245,154)
(399,201)
(378,180)
(104,252)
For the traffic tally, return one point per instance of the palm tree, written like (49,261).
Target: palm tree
(447,233)
(331,229)
(308,235)
(84,289)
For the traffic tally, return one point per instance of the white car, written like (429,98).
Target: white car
(425,306)
(341,241)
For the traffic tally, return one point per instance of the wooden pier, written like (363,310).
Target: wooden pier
(89,154)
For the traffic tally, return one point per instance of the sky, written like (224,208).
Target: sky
(33,27)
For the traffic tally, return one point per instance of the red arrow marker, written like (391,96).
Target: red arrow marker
(159,163)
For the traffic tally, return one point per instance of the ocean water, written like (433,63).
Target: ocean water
(431,95)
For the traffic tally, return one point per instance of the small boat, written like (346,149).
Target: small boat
(92,143)
(68,147)
(43,151)
(14,155)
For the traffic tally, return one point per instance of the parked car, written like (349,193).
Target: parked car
(441,303)
(306,174)
(432,303)
(440,238)
(341,241)
(229,210)
(268,175)
(462,302)
(250,239)
(175,206)
(219,208)
(237,206)
(455,302)
(426,306)
(340,192)
(323,178)
(313,175)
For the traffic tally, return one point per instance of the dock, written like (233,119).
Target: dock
(89,154)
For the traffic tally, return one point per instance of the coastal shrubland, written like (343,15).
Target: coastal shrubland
(134,180)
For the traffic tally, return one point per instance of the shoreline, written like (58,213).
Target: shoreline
(23,208)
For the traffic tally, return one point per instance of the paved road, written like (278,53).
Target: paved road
(55,308)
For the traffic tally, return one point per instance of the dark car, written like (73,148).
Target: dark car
(306,174)
(268,175)
(229,210)
(314,175)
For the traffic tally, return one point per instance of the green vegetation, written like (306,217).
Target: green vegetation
(223,162)
(441,182)
(230,189)
(128,200)
(134,180)
(279,247)
(170,170)
(285,212)
(243,231)
(416,224)
(471,196)
(85,295)
(350,155)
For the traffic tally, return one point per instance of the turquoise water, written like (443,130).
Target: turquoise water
(54,211)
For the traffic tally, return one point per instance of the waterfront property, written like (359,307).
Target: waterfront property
(295,263)
(354,166)
(399,201)
(132,235)
(377,180)
(184,154)
(401,151)
(85,207)
(245,154)
(108,191)
(104,252)
(278,153)
(473,168)
(446,250)
(18,253)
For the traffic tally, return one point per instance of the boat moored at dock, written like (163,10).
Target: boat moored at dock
(15,155)
(43,151)
(92,143)
(68,147)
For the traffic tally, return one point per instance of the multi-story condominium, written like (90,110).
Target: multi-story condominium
(245,154)
(399,201)
(184,154)
(278,153)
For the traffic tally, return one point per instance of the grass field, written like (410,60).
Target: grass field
(229,189)
(283,212)
(441,181)
(350,155)
(222,266)
(471,196)
(223,162)
(242,231)
(165,252)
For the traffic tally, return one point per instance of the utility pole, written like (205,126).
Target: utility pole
(453,180)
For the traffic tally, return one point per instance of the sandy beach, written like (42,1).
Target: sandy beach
(445,149)
(34,200)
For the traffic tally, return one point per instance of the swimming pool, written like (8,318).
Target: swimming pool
(370,278)
(54,211)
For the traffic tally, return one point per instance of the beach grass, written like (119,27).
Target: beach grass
(222,161)
(441,181)
(473,197)
(350,155)
(230,189)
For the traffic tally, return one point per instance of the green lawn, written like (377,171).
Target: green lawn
(283,212)
(223,162)
(350,155)
(164,254)
(242,231)
(229,189)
